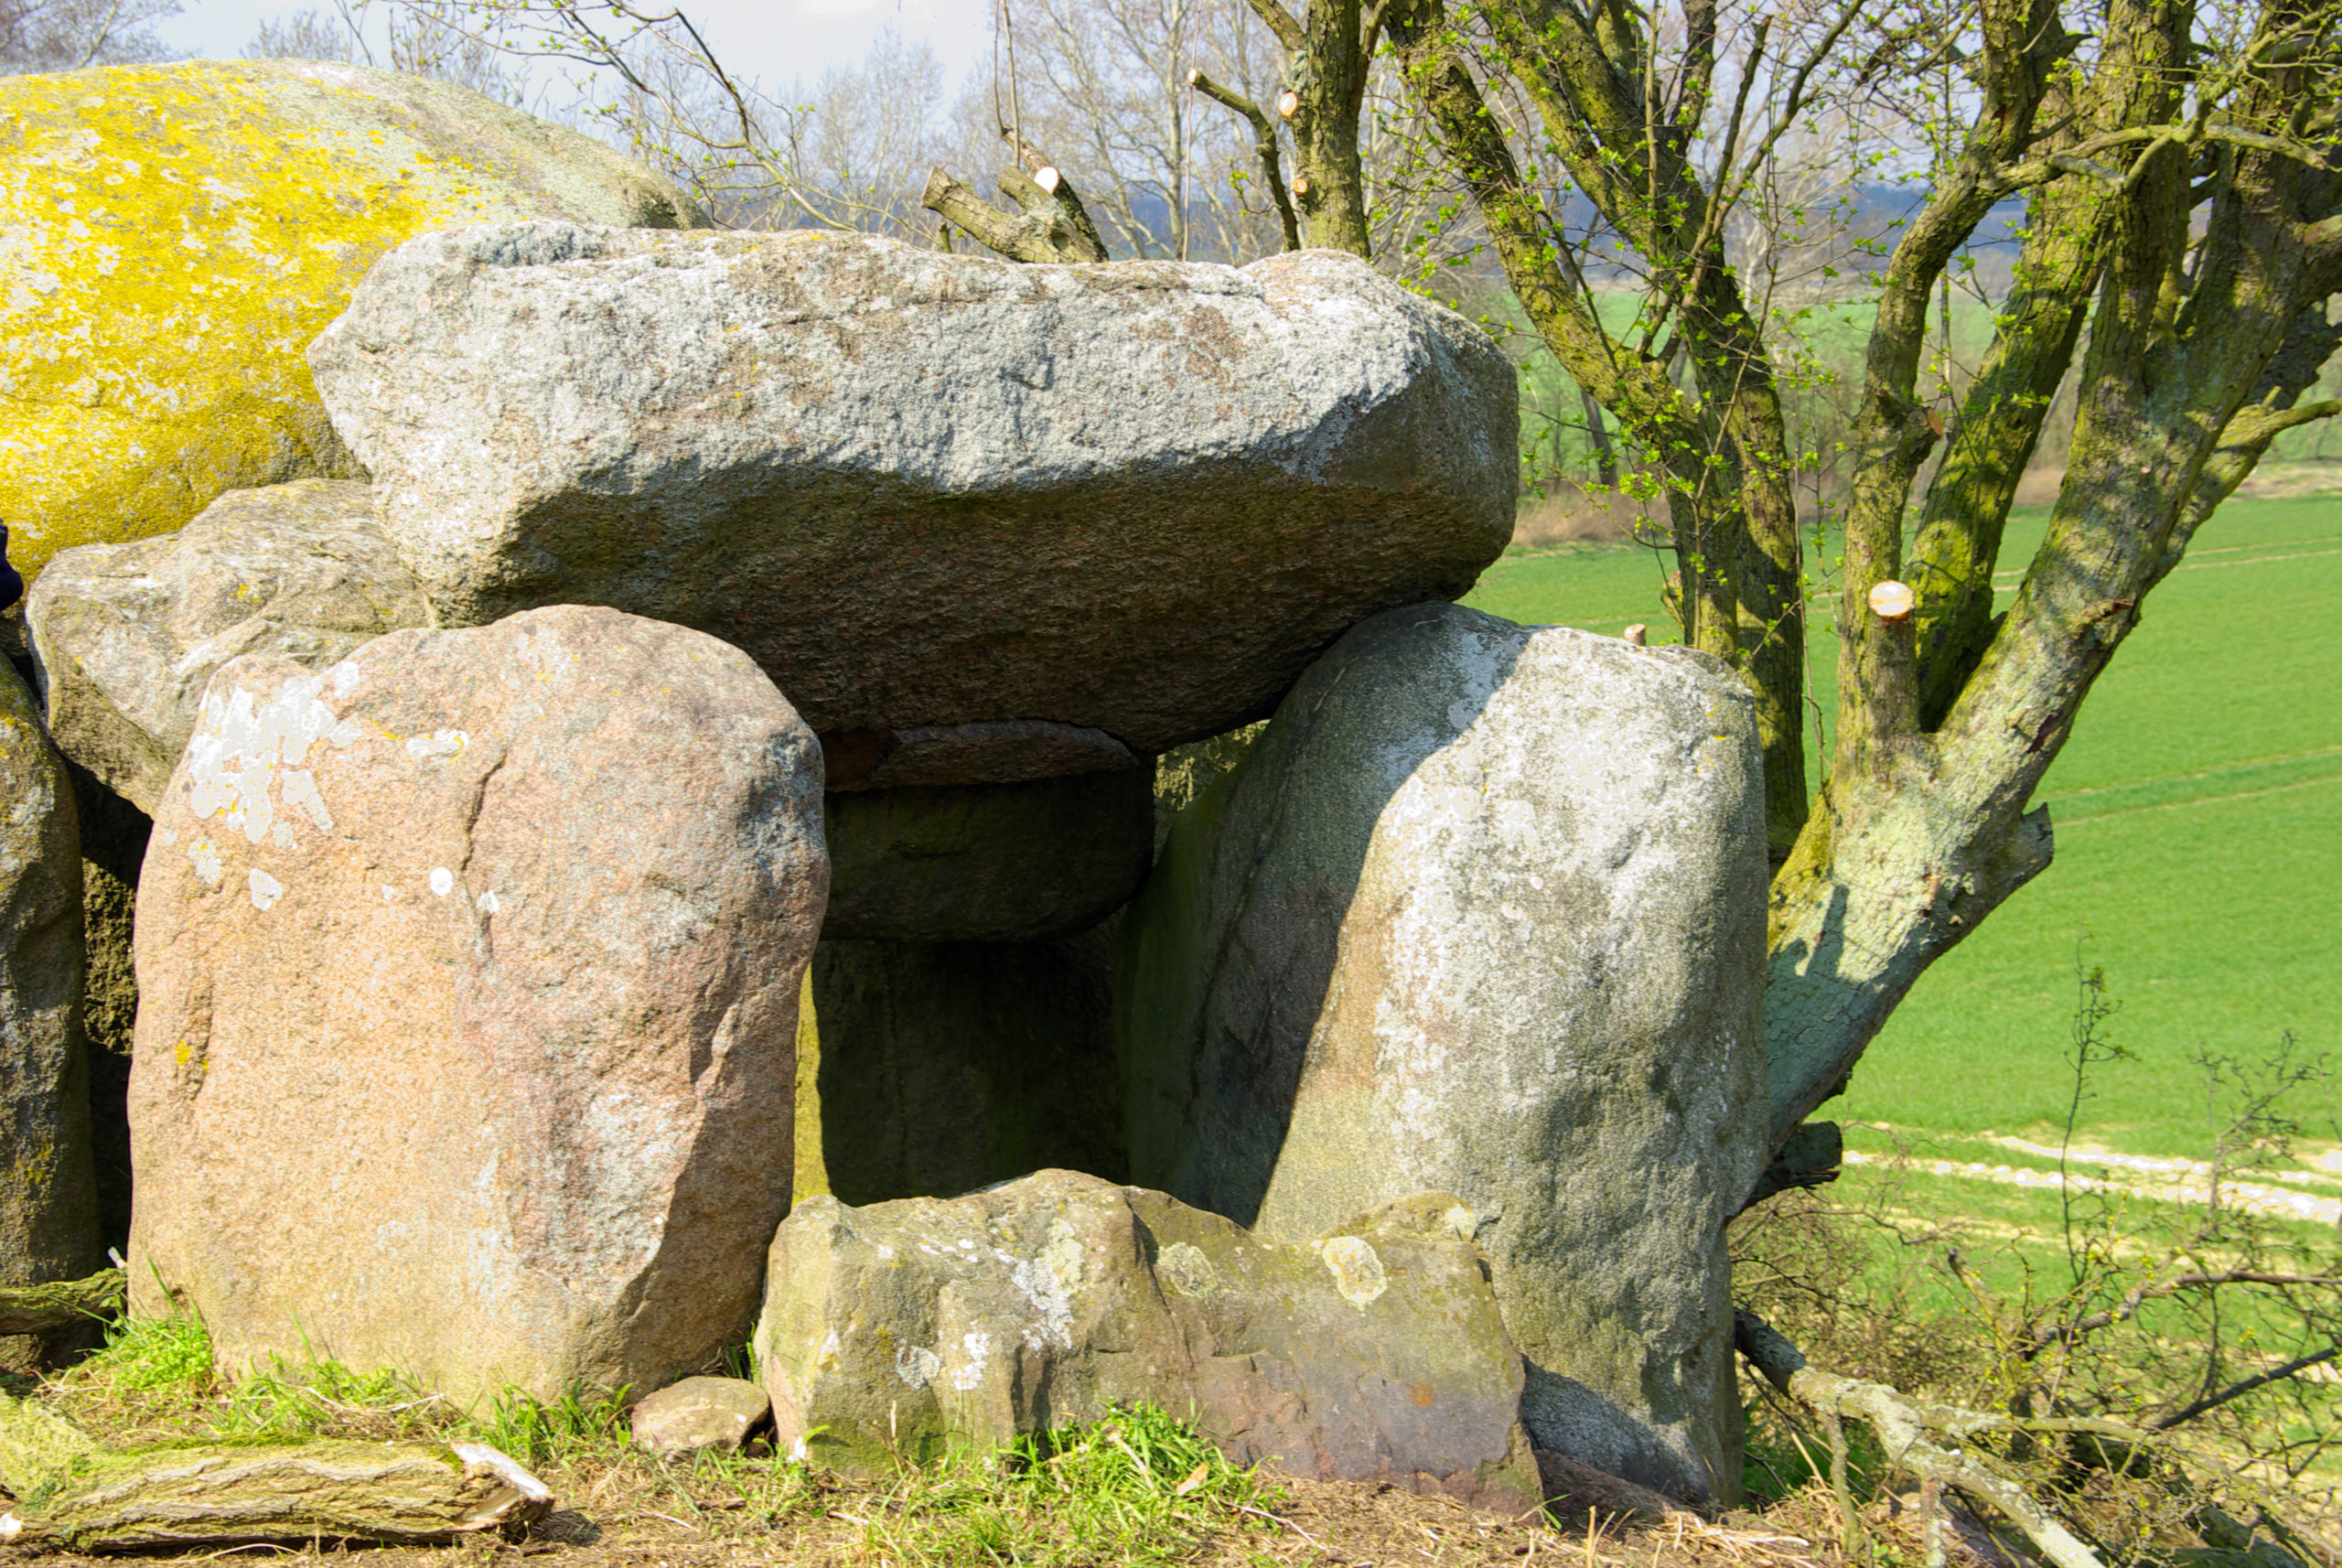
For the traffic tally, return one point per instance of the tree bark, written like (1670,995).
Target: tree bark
(1328,50)
(72,1492)
(1605,456)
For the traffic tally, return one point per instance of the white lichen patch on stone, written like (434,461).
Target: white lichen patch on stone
(438,743)
(978,1347)
(489,904)
(442,881)
(246,758)
(916,1366)
(1048,1283)
(300,789)
(1357,1268)
(206,861)
(265,889)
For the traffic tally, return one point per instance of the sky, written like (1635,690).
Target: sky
(777,41)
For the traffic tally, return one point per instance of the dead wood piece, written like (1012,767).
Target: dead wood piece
(1964,1539)
(1021,237)
(1563,1476)
(1022,188)
(72,1492)
(1087,245)
(1903,1426)
(39,1310)
(38,1445)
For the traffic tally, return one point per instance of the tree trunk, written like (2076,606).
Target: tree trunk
(1605,454)
(1328,51)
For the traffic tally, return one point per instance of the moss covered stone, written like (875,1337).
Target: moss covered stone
(177,234)
(898,1330)
(49,1206)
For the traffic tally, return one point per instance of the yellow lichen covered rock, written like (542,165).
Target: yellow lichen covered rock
(171,237)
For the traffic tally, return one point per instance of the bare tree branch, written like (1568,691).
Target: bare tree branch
(1264,147)
(2278,1374)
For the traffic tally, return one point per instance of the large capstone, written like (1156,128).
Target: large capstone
(1483,910)
(928,490)
(1373,1352)
(177,233)
(48,1204)
(128,635)
(467,977)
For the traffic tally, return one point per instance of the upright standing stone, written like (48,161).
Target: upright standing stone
(1483,910)
(932,491)
(113,846)
(469,973)
(49,1206)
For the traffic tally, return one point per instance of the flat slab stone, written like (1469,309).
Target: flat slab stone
(1375,1352)
(698,1414)
(923,488)
(128,635)
(1000,751)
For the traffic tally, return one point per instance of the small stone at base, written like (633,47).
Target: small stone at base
(700,1414)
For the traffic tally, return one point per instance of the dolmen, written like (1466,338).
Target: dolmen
(627,861)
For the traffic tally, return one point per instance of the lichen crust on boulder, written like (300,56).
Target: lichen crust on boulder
(176,234)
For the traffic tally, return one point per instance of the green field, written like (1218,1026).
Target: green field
(2198,812)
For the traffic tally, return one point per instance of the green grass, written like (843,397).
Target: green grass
(2198,808)
(1137,1487)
